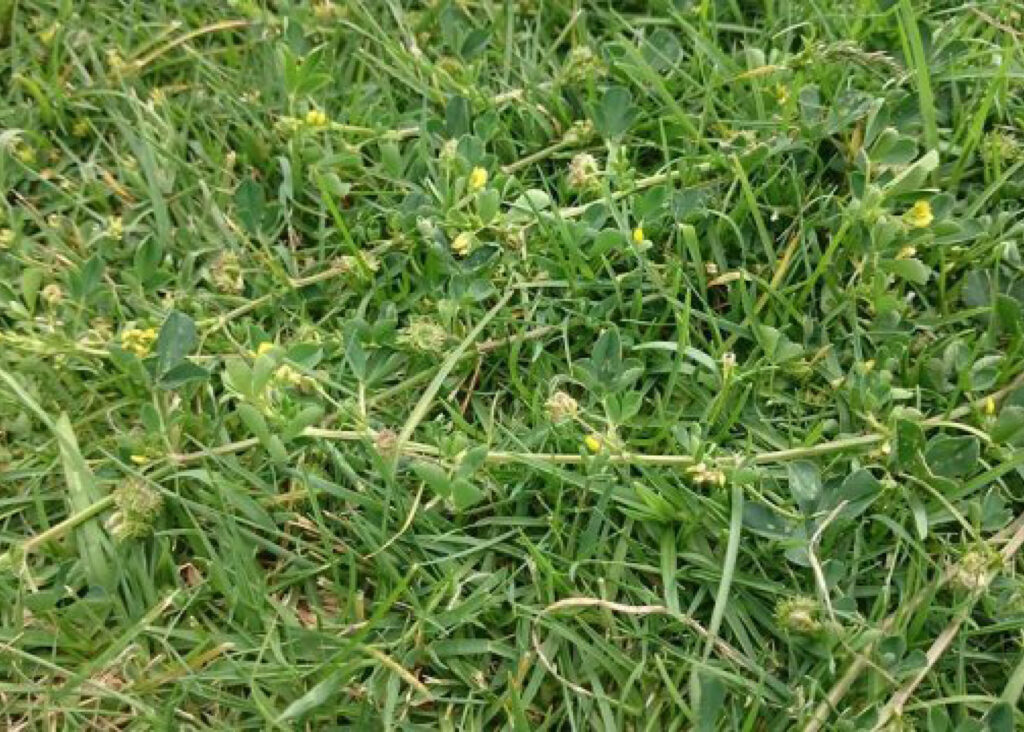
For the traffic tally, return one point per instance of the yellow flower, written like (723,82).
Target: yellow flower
(288,376)
(138,340)
(316,118)
(265,347)
(25,153)
(638,235)
(47,36)
(115,61)
(325,10)
(477,178)
(115,228)
(139,459)
(990,406)
(463,243)
(593,443)
(920,215)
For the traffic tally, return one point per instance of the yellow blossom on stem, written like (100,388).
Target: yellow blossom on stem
(316,118)
(920,215)
(462,244)
(138,340)
(477,178)
(638,235)
(115,228)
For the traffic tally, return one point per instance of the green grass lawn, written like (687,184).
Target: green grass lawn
(537,365)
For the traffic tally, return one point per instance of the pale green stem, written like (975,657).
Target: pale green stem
(58,530)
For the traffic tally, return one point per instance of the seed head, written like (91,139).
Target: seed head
(561,407)
(583,171)
(52,294)
(424,335)
(799,615)
(226,273)
(137,507)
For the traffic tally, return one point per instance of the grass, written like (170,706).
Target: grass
(526,365)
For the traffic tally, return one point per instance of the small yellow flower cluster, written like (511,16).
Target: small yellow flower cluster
(593,443)
(361,266)
(316,118)
(115,61)
(52,294)
(138,340)
(264,348)
(701,473)
(463,243)
(285,375)
(477,178)
(47,35)
(25,153)
(920,215)
(325,11)
(289,376)
(115,228)
(638,235)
